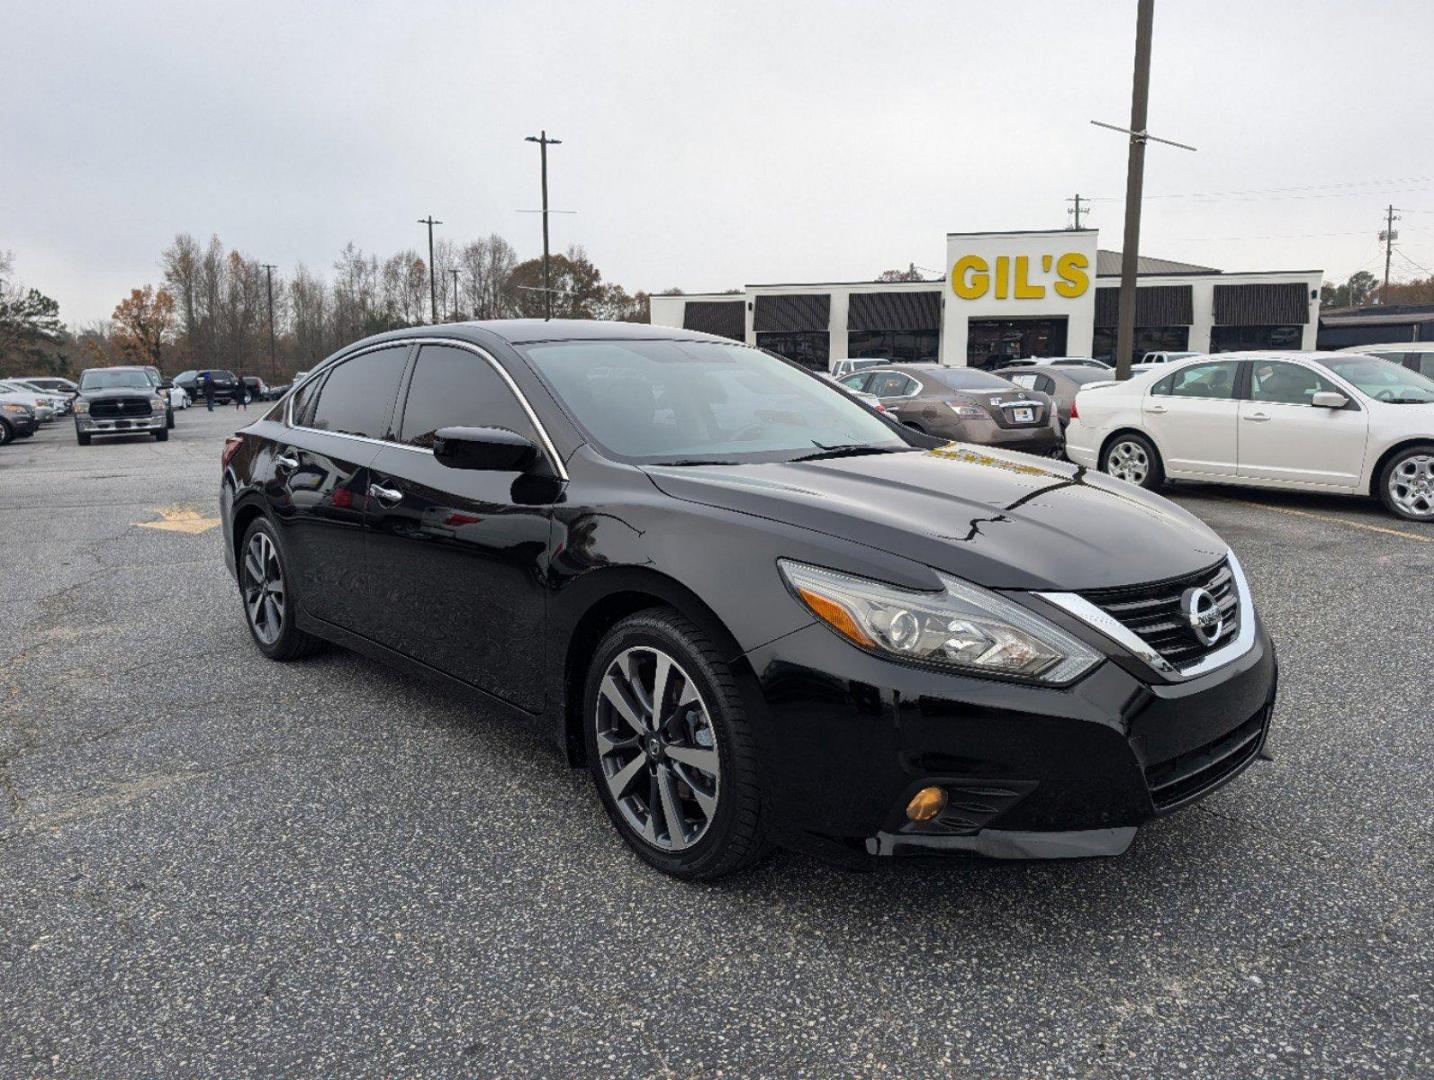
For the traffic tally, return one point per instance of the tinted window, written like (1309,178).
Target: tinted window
(969,378)
(357,397)
(1202,381)
(304,399)
(890,384)
(453,387)
(1045,384)
(1285,384)
(856,382)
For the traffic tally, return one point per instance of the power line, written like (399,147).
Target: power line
(1315,191)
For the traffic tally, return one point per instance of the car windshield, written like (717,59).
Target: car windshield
(698,402)
(967,378)
(1384,381)
(112,380)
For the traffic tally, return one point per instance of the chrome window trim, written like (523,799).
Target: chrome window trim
(547,443)
(1094,617)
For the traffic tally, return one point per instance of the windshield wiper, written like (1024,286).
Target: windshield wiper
(691,461)
(842,450)
(1408,401)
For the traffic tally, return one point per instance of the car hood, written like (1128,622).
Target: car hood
(1004,520)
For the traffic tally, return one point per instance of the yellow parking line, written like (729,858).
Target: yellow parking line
(1336,520)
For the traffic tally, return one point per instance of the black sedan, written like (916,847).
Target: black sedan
(756,611)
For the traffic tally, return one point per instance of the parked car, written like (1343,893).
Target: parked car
(811,627)
(58,400)
(1342,423)
(964,404)
(17,419)
(225,383)
(1061,384)
(255,388)
(1166,357)
(842,368)
(178,397)
(52,384)
(120,401)
(1415,355)
(45,406)
(1058,361)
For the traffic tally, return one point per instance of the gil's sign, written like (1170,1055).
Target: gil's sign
(1021,277)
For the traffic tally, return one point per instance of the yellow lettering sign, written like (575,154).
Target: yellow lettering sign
(972,277)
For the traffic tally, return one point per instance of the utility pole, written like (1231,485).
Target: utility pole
(269,269)
(543,143)
(453,308)
(432,281)
(1076,212)
(1134,185)
(1388,236)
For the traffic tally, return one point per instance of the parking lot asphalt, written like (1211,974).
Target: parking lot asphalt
(211,864)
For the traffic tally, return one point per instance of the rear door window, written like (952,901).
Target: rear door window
(856,382)
(452,387)
(357,397)
(1215,380)
(890,384)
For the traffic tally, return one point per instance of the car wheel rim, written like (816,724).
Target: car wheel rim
(264,589)
(1411,485)
(1128,461)
(657,748)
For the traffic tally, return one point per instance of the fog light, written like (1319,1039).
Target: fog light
(926,804)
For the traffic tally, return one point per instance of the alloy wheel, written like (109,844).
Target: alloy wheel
(1411,486)
(264,588)
(658,748)
(1128,461)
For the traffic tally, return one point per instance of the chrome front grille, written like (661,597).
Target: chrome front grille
(1159,613)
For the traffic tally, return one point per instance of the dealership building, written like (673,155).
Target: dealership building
(1009,295)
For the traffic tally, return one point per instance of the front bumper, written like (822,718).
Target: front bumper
(848,738)
(124,425)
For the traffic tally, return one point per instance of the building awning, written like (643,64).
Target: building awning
(894,310)
(785,314)
(1285,304)
(1155,305)
(726,318)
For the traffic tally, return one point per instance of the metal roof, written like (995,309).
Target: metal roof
(1107,264)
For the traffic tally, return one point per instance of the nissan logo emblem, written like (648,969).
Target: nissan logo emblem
(1202,614)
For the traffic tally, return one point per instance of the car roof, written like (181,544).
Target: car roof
(525,331)
(1391,346)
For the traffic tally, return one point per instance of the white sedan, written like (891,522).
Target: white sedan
(1342,423)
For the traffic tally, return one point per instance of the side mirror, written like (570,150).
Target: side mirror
(1328,399)
(485,448)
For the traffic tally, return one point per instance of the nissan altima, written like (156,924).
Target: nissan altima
(756,611)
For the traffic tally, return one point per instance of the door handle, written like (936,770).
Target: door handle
(1158,408)
(285,462)
(387,496)
(1258,417)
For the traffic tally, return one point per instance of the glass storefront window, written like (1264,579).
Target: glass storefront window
(993,342)
(1147,339)
(904,346)
(1242,338)
(810,348)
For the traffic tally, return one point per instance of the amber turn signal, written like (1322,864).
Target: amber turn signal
(926,804)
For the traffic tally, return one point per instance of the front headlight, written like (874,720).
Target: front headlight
(158,403)
(81,406)
(963,627)
(10,407)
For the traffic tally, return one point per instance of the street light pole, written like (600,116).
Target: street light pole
(269,269)
(453,308)
(543,143)
(432,281)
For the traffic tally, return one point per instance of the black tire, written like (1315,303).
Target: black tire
(162,435)
(82,437)
(1410,497)
(734,836)
(290,643)
(7,433)
(1133,458)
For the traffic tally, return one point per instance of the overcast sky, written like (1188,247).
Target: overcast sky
(704,146)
